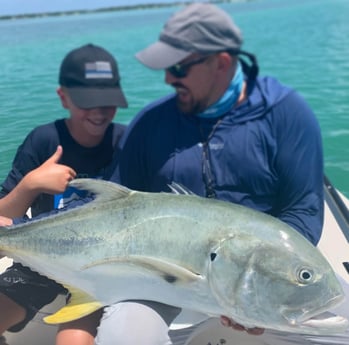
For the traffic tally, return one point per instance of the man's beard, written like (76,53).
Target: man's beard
(190,109)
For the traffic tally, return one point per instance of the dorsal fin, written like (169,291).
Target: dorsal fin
(178,188)
(103,190)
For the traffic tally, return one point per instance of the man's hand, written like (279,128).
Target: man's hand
(227,322)
(4,221)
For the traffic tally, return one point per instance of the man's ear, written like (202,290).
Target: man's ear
(226,61)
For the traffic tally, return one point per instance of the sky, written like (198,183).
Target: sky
(12,7)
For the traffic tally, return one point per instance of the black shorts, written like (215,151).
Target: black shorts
(30,290)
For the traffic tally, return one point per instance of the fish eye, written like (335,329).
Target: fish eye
(305,275)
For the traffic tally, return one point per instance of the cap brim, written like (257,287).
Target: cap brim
(160,55)
(97,97)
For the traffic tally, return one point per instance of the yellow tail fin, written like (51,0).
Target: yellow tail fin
(79,305)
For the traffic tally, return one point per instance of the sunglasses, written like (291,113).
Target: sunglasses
(182,70)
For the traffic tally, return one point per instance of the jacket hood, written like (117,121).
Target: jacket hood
(263,94)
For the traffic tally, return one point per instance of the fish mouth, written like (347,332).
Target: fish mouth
(320,319)
(316,312)
(328,324)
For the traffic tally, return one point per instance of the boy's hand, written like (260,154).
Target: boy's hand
(51,177)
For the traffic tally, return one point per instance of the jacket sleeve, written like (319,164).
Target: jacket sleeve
(299,164)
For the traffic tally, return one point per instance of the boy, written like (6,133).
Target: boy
(90,90)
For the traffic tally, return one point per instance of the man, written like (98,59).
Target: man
(226,133)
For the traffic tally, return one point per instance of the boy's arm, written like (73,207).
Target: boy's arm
(49,177)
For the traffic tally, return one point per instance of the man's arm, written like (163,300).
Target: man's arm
(300,167)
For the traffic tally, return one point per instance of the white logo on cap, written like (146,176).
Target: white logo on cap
(98,70)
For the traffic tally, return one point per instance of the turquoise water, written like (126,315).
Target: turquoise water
(304,43)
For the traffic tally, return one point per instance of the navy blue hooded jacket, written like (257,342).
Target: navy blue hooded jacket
(265,153)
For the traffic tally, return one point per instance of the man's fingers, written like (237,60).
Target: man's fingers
(227,322)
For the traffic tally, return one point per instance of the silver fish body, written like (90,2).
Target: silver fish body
(201,254)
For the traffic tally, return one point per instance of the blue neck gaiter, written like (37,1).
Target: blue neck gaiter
(229,98)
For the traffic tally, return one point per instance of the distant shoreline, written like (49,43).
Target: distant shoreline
(106,9)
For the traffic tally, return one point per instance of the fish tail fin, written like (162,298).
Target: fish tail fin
(79,305)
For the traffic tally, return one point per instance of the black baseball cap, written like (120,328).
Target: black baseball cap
(90,75)
(197,28)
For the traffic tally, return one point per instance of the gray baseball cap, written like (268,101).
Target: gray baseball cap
(198,28)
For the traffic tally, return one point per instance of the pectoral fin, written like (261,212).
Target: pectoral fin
(168,271)
(79,305)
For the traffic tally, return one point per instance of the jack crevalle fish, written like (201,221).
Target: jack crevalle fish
(201,254)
